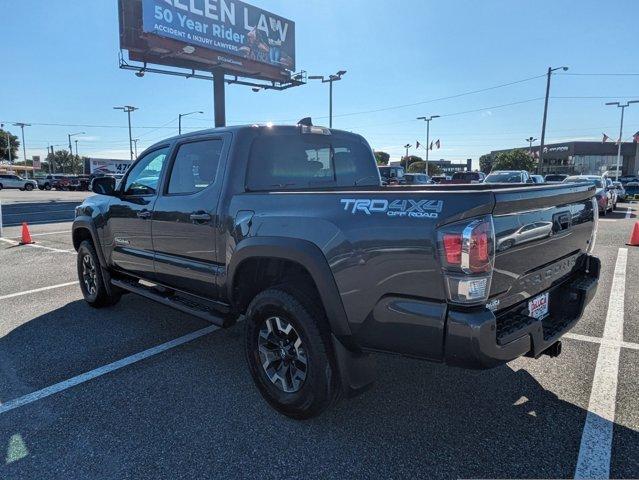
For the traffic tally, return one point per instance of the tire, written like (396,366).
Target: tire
(47,187)
(28,187)
(92,280)
(0,186)
(605,211)
(285,328)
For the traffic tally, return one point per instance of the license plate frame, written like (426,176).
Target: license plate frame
(538,307)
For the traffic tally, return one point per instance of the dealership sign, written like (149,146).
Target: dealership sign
(108,166)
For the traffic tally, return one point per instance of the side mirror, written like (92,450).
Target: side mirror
(103,186)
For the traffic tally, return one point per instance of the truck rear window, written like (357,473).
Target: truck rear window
(309,161)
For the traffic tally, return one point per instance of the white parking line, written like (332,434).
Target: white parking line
(628,212)
(36,290)
(596,440)
(98,372)
(35,245)
(598,340)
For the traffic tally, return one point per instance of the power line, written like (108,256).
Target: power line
(600,74)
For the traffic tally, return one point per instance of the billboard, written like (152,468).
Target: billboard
(205,34)
(107,166)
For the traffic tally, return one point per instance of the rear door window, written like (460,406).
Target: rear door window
(309,161)
(195,166)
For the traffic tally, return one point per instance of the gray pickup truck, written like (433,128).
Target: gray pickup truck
(290,228)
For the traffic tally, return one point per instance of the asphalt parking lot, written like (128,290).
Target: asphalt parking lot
(142,391)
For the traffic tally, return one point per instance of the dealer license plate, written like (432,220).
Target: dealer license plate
(538,306)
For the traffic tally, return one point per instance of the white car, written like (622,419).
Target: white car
(9,180)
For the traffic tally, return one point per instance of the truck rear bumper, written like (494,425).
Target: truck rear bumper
(481,339)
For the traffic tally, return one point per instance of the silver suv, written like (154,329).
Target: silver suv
(9,180)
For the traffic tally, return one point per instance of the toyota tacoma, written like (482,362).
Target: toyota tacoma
(289,229)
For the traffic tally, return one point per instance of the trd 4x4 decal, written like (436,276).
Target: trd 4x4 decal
(394,208)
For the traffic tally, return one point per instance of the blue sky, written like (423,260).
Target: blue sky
(63,58)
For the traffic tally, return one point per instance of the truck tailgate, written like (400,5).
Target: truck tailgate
(540,235)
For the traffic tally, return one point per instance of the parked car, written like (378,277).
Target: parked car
(392,175)
(63,182)
(417,179)
(613,191)
(465,177)
(45,182)
(325,265)
(632,191)
(538,179)
(555,177)
(79,183)
(508,176)
(9,180)
(628,178)
(621,191)
(602,194)
(440,178)
(525,233)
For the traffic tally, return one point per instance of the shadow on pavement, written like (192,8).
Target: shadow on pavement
(193,412)
(38,212)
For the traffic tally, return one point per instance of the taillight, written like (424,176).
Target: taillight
(467,254)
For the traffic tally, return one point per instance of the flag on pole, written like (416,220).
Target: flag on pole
(635,137)
(605,138)
(431,145)
(417,144)
(438,143)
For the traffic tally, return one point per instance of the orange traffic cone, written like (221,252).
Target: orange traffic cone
(26,236)
(634,236)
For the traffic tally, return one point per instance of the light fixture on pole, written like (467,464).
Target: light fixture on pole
(70,145)
(427,120)
(623,107)
(543,124)
(407,146)
(530,141)
(24,145)
(128,109)
(184,115)
(331,78)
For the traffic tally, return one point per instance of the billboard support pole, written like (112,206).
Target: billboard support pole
(219,100)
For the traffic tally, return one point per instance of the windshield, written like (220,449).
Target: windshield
(555,178)
(504,177)
(595,181)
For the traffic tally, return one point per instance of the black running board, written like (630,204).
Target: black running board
(217,316)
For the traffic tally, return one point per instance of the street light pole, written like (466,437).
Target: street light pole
(543,124)
(331,78)
(71,147)
(24,146)
(135,143)
(530,141)
(76,148)
(128,109)
(180,120)
(623,109)
(407,146)
(427,120)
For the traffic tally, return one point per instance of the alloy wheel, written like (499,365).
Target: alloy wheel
(282,354)
(89,274)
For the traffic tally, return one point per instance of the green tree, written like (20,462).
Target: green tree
(65,162)
(514,160)
(15,145)
(382,158)
(486,163)
(420,167)
(406,162)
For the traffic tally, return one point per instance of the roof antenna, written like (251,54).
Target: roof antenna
(306,121)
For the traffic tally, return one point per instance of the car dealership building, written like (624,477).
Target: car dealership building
(587,158)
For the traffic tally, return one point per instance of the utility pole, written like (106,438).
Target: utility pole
(24,146)
(180,122)
(543,124)
(128,109)
(407,146)
(623,108)
(331,78)
(135,143)
(427,120)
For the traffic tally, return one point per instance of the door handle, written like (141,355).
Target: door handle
(144,214)
(200,217)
